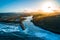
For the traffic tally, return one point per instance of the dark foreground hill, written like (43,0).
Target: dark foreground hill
(50,23)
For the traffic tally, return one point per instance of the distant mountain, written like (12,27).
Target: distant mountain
(9,14)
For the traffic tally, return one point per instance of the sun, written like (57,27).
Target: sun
(48,7)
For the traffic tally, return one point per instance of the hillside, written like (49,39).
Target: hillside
(50,23)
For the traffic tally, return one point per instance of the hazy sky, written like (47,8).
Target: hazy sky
(20,5)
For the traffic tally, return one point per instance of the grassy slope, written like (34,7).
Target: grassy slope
(50,22)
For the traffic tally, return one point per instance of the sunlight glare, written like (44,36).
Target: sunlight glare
(48,6)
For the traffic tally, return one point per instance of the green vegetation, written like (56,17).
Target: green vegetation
(51,23)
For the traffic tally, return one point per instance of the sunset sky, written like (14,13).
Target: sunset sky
(21,5)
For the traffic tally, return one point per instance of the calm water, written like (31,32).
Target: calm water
(31,29)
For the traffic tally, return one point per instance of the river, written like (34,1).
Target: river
(31,29)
